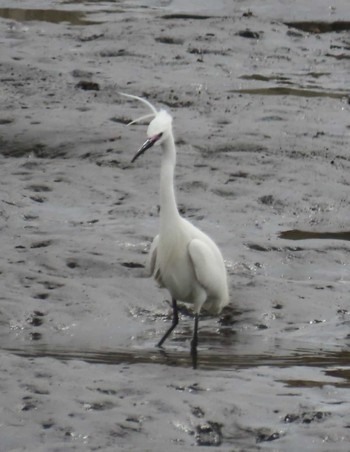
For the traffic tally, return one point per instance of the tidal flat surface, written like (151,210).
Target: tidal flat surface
(259,94)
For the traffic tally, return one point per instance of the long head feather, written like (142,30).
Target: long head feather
(146,102)
(151,115)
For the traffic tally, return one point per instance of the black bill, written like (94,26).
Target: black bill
(146,145)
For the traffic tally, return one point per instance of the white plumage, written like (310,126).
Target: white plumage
(182,258)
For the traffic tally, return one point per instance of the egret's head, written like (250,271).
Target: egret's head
(159,128)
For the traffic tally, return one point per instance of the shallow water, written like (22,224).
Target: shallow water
(46,15)
(284,91)
(213,359)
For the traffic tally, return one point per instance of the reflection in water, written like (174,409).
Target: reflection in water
(296,234)
(208,359)
(45,15)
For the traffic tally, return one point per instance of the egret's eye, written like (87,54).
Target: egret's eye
(157,137)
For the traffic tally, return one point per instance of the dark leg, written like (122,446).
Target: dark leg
(173,324)
(194,342)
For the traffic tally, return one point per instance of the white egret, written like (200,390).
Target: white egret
(182,258)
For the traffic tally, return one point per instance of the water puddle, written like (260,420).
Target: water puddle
(282,79)
(288,91)
(181,16)
(46,15)
(319,26)
(266,78)
(297,234)
(342,374)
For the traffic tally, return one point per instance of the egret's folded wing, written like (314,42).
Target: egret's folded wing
(204,265)
(152,264)
(152,256)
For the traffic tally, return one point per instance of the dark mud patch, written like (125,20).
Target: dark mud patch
(249,34)
(264,249)
(306,417)
(41,244)
(209,434)
(266,435)
(36,318)
(22,149)
(169,40)
(121,120)
(88,85)
(180,16)
(39,188)
(6,121)
(132,265)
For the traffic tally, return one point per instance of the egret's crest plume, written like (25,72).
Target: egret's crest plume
(146,102)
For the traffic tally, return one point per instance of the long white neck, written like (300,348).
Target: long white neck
(169,215)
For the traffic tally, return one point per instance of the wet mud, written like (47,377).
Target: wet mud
(260,99)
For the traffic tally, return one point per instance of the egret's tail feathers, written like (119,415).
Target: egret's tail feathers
(214,307)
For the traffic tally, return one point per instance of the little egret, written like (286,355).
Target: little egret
(182,258)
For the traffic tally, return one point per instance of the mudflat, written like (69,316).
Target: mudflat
(259,95)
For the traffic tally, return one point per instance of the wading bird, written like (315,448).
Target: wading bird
(182,258)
